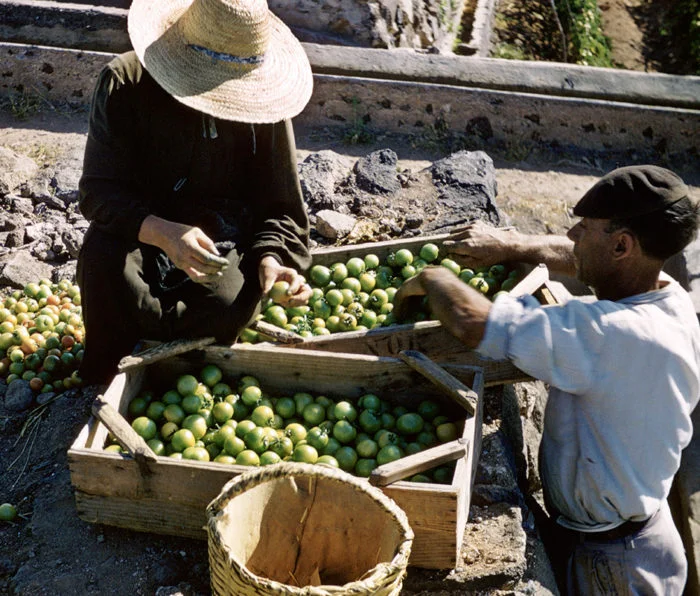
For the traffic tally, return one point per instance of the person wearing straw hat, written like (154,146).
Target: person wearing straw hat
(623,371)
(190,178)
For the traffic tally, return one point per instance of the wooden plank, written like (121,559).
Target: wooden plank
(466,475)
(428,337)
(558,291)
(127,437)
(162,351)
(276,333)
(531,282)
(456,390)
(418,462)
(154,515)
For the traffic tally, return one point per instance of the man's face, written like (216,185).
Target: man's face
(593,250)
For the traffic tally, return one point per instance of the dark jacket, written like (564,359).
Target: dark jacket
(147,153)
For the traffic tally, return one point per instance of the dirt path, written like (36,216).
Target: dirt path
(626,37)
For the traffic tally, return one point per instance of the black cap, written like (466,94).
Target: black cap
(630,192)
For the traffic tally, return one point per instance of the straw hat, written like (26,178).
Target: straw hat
(232,59)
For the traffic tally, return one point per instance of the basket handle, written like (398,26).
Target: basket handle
(452,386)
(419,462)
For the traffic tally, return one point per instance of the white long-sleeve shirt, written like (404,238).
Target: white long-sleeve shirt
(624,377)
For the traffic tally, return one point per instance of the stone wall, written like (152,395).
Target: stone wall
(377,23)
(505,110)
(420,24)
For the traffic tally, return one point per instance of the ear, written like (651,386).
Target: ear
(625,244)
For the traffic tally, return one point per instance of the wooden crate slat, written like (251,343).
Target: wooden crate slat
(143,515)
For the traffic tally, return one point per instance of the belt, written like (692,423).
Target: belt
(622,531)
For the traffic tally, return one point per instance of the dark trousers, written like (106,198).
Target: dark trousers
(650,561)
(132,291)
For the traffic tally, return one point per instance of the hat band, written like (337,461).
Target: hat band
(223,57)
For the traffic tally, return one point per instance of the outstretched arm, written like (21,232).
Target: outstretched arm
(461,309)
(480,244)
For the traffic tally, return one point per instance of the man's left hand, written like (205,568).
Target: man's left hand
(270,271)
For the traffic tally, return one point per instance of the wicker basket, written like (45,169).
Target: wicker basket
(302,529)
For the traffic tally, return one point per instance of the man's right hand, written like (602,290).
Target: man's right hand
(481,245)
(188,247)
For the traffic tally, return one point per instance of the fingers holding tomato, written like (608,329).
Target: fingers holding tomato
(283,285)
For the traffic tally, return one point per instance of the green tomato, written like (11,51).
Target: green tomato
(320,275)
(344,410)
(8,512)
(410,423)
(321,308)
(344,431)
(389,453)
(339,272)
(328,460)
(429,252)
(346,457)
(451,264)
(145,427)
(365,466)
(368,280)
(317,438)
(248,457)
(305,454)
(371,261)
(334,297)
(355,266)
(268,458)
(313,414)
(466,275)
(480,284)
(403,257)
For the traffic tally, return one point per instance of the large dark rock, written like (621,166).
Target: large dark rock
(320,174)
(19,396)
(466,182)
(377,173)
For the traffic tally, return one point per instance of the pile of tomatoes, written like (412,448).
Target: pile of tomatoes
(41,335)
(358,294)
(209,418)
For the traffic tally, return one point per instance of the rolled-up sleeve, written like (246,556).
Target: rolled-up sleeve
(559,345)
(109,194)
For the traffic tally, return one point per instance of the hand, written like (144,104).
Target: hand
(406,297)
(188,247)
(460,308)
(480,245)
(270,271)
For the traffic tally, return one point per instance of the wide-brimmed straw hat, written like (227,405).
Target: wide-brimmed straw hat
(232,59)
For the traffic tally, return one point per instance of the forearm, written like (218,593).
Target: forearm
(155,231)
(556,252)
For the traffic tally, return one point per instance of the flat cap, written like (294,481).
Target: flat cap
(630,192)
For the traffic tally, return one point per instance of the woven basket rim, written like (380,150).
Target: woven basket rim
(249,479)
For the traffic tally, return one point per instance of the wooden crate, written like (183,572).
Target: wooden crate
(169,496)
(428,337)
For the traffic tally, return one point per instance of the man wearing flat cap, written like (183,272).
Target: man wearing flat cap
(623,372)
(190,178)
